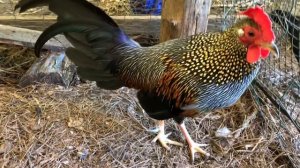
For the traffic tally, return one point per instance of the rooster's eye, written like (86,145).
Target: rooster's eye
(251,34)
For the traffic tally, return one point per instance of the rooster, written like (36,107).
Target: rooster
(175,79)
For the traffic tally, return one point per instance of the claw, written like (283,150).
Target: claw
(194,147)
(163,138)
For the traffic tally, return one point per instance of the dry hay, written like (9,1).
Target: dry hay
(14,61)
(115,7)
(112,7)
(84,126)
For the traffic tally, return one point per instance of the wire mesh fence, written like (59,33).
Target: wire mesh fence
(279,75)
(277,88)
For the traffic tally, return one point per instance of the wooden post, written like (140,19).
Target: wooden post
(181,18)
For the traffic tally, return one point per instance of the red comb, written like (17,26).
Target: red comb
(263,20)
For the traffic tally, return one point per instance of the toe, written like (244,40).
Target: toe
(192,155)
(155,139)
(164,144)
(174,142)
(163,139)
(195,148)
(201,145)
(198,149)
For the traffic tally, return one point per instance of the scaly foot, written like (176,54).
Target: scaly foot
(163,138)
(194,147)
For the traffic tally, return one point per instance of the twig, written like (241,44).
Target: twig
(245,124)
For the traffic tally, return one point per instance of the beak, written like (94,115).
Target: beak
(271,47)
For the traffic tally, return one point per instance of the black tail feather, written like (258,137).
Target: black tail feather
(67,27)
(69,9)
(97,40)
(27,4)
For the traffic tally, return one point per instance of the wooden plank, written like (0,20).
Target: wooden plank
(51,17)
(27,37)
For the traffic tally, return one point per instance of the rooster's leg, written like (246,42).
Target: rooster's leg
(194,147)
(162,137)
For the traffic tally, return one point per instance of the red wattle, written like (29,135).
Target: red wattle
(264,53)
(253,54)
